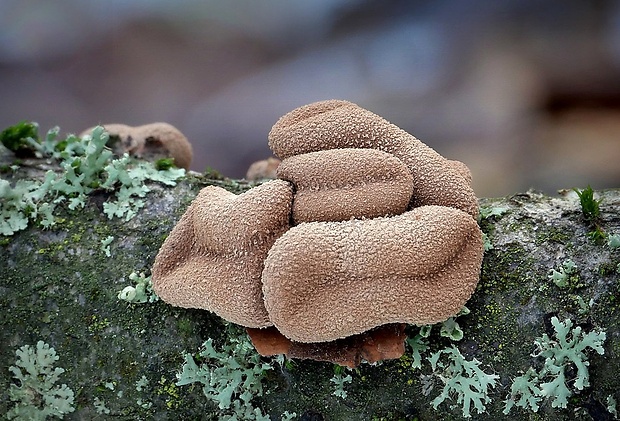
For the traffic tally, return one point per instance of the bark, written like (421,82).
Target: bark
(59,286)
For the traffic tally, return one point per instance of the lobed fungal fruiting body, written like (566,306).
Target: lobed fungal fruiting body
(150,141)
(337,124)
(366,227)
(262,169)
(326,280)
(340,184)
(213,258)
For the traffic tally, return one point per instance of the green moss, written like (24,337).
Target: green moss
(608,268)
(96,324)
(590,208)
(558,235)
(504,268)
(185,327)
(15,138)
(170,393)
(213,174)
(164,164)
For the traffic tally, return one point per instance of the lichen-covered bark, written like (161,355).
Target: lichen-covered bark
(59,286)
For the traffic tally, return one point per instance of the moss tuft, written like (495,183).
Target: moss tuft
(15,138)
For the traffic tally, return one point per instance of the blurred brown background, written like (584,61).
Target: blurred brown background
(526,93)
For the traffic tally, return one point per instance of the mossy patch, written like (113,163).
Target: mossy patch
(554,235)
(505,267)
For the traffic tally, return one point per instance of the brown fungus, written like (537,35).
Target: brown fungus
(150,141)
(383,343)
(328,280)
(265,168)
(386,234)
(336,124)
(213,258)
(340,184)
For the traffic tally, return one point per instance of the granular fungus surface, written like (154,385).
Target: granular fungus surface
(366,228)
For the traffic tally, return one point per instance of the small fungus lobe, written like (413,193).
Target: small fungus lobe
(336,124)
(340,184)
(213,258)
(265,168)
(382,343)
(327,280)
(150,141)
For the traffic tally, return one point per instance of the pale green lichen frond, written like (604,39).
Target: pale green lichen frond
(462,378)
(140,292)
(448,329)
(562,276)
(567,349)
(339,380)
(486,241)
(451,329)
(87,165)
(105,245)
(611,406)
(288,416)
(490,211)
(142,383)
(613,241)
(230,377)
(16,205)
(36,393)
(128,178)
(418,346)
(100,406)
(524,392)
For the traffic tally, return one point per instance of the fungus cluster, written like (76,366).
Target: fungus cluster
(262,169)
(150,141)
(365,229)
